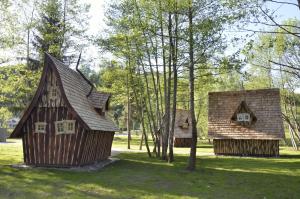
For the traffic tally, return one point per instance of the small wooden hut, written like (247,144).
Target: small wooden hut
(66,123)
(182,129)
(245,123)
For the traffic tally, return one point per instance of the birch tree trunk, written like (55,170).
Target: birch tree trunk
(166,118)
(174,46)
(192,159)
(128,115)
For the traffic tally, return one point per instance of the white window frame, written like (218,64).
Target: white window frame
(53,92)
(65,124)
(247,117)
(38,125)
(57,132)
(243,117)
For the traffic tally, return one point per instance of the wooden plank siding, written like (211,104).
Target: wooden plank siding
(268,148)
(182,142)
(49,148)
(97,147)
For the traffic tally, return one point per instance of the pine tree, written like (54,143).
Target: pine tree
(61,27)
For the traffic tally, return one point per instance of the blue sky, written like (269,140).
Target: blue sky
(285,11)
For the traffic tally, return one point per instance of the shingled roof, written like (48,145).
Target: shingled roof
(264,104)
(76,89)
(182,117)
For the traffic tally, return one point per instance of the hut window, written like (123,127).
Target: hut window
(247,117)
(243,117)
(53,92)
(40,127)
(59,127)
(65,127)
(69,126)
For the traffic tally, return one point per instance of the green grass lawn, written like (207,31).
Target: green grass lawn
(137,176)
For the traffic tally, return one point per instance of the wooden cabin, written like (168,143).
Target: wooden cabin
(182,129)
(245,123)
(65,124)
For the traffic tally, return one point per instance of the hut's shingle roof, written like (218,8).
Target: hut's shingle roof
(180,119)
(76,89)
(265,105)
(182,116)
(99,99)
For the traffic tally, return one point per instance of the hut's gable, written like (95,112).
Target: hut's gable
(182,124)
(51,95)
(263,106)
(243,115)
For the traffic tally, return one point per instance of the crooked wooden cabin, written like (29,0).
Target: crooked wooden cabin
(182,129)
(66,123)
(245,123)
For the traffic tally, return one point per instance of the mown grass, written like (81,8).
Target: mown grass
(137,176)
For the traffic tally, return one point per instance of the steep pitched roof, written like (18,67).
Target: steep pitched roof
(99,99)
(265,105)
(182,116)
(76,89)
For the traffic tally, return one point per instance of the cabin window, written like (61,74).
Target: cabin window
(65,127)
(246,117)
(243,117)
(40,127)
(53,92)
(59,127)
(69,126)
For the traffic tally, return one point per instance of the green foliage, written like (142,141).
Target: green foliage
(50,29)
(18,85)
(91,74)
(62,23)
(134,38)
(8,25)
(5,115)
(113,79)
(267,49)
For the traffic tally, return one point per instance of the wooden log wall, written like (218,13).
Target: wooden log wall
(268,148)
(182,142)
(97,147)
(63,150)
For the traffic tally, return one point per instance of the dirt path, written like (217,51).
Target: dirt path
(117,150)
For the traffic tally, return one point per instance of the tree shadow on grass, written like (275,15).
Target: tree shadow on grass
(205,146)
(136,176)
(290,156)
